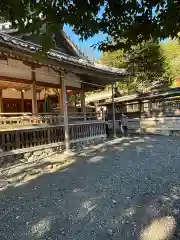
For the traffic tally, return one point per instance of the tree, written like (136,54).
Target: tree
(113,59)
(116,59)
(146,63)
(171,53)
(125,22)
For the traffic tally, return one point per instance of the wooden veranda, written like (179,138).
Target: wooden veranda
(25,86)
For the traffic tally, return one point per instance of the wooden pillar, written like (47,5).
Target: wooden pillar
(113,113)
(65,113)
(1,101)
(34,93)
(60,98)
(34,98)
(141,108)
(83,103)
(22,101)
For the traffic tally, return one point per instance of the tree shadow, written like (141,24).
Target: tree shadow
(109,193)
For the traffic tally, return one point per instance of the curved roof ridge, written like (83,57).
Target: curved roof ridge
(58,55)
(74,46)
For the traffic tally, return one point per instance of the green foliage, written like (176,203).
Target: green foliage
(146,63)
(74,99)
(127,23)
(116,59)
(113,59)
(171,53)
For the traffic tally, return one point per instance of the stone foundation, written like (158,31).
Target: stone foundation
(45,151)
(164,132)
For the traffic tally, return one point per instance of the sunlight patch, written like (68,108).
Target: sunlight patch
(126,144)
(159,229)
(137,140)
(130,212)
(77,190)
(95,159)
(3,184)
(41,227)
(86,207)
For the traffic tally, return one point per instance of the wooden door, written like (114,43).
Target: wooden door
(11,105)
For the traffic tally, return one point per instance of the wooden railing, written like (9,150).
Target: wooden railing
(28,119)
(35,136)
(22,119)
(84,116)
(86,130)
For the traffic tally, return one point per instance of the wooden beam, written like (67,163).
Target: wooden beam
(29,64)
(103,77)
(16,80)
(38,83)
(28,82)
(47,85)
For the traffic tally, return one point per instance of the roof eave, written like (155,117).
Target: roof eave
(59,56)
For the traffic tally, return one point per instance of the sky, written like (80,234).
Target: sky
(85,46)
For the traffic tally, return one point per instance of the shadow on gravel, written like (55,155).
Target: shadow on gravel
(129,190)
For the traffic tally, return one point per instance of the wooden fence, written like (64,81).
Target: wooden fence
(36,135)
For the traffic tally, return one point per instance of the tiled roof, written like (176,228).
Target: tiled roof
(98,96)
(170,92)
(124,98)
(57,55)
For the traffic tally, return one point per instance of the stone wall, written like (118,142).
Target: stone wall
(169,126)
(44,151)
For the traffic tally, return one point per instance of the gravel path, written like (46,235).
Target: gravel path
(112,193)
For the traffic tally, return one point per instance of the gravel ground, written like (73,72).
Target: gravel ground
(113,193)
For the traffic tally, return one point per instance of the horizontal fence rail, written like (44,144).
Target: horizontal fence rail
(18,119)
(28,119)
(36,136)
